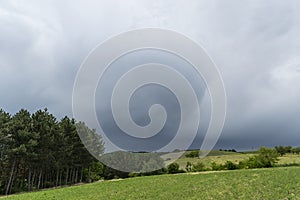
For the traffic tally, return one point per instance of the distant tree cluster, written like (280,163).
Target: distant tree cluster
(37,151)
(228,150)
(193,154)
(296,150)
(282,150)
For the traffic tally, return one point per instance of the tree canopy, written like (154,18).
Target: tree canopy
(38,151)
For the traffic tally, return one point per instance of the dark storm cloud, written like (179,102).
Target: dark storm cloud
(255,44)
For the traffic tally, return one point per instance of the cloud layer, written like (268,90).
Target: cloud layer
(255,44)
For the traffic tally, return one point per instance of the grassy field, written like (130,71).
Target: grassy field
(220,157)
(273,183)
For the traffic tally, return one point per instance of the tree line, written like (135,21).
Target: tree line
(282,150)
(38,151)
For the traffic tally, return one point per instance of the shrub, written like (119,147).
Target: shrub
(134,174)
(215,166)
(288,165)
(266,158)
(283,150)
(198,167)
(97,170)
(173,168)
(243,164)
(188,166)
(296,150)
(230,165)
(193,154)
(156,172)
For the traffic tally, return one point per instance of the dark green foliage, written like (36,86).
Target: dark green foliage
(296,150)
(266,157)
(173,168)
(230,165)
(192,154)
(37,151)
(215,166)
(111,173)
(97,170)
(282,150)
(228,150)
(198,167)
(156,172)
(287,165)
(5,140)
(188,166)
(243,164)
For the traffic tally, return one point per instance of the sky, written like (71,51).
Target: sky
(254,43)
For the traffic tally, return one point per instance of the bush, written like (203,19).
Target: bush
(288,165)
(110,173)
(230,165)
(243,164)
(296,150)
(193,154)
(156,172)
(266,158)
(188,166)
(198,167)
(283,150)
(97,171)
(215,166)
(134,174)
(173,168)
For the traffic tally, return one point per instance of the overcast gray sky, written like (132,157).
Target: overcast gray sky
(255,44)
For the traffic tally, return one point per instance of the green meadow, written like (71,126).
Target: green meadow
(221,157)
(268,183)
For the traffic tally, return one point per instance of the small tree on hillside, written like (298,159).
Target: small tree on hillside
(266,158)
(280,150)
(283,150)
(173,168)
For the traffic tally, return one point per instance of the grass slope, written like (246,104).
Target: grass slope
(273,183)
(221,157)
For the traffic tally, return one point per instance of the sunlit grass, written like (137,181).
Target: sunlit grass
(273,183)
(233,157)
